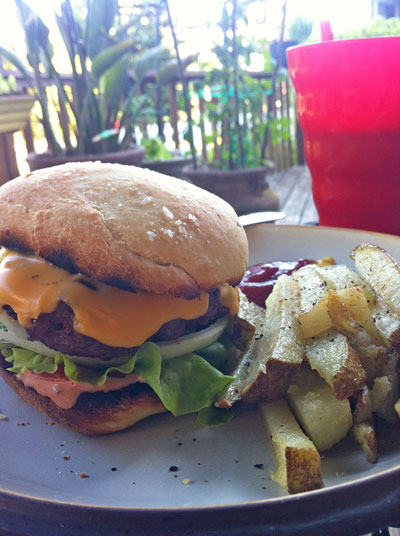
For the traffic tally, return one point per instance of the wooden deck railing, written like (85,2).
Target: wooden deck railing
(283,154)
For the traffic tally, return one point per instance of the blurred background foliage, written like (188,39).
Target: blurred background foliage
(107,74)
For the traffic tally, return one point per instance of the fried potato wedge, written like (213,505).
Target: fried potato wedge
(336,361)
(397,407)
(386,409)
(387,322)
(362,407)
(341,277)
(379,392)
(363,430)
(382,273)
(356,305)
(364,433)
(241,332)
(351,316)
(315,283)
(313,317)
(298,461)
(265,370)
(325,419)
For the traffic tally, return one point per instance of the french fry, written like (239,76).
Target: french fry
(386,409)
(381,272)
(313,317)
(379,392)
(265,370)
(341,277)
(324,419)
(397,407)
(315,283)
(354,300)
(363,430)
(364,433)
(387,322)
(298,461)
(361,332)
(362,409)
(336,361)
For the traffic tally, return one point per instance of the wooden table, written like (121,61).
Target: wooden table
(293,187)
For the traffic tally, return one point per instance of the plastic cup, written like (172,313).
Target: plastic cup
(348,105)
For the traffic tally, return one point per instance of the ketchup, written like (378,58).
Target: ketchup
(258,280)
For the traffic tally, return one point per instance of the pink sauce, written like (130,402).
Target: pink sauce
(259,279)
(65,393)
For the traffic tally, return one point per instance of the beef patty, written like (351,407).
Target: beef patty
(56,330)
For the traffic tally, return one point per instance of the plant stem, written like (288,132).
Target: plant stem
(51,138)
(158,86)
(273,81)
(185,88)
(236,83)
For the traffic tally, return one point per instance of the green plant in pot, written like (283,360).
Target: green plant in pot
(94,118)
(234,163)
(157,156)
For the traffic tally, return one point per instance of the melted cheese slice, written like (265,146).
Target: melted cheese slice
(32,286)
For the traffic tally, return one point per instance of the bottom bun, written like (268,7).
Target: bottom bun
(94,413)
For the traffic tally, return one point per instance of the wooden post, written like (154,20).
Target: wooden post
(8,161)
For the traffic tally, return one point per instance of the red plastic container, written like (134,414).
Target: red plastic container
(348,103)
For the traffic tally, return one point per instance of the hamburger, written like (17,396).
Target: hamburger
(116,287)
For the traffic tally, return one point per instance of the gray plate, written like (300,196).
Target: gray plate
(131,490)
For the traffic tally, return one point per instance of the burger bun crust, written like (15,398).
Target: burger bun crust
(126,226)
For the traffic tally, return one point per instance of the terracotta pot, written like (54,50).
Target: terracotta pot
(172,167)
(132,156)
(14,112)
(246,190)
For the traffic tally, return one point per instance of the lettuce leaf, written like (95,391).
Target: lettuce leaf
(23,360)
(213,416)
(184,384)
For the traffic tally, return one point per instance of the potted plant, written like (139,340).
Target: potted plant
(94,120)
(234,164)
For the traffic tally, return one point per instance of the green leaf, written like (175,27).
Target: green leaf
(100,18)
(184,384)
(189,383)
(111,88)
(109,56)
(149,60)
(37,40)
(23,360)
(213,416)
(81,374)
(215,354)
(14,59)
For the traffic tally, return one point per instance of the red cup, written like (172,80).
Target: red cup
(348,104)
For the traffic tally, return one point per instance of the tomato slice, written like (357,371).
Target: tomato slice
(58,376)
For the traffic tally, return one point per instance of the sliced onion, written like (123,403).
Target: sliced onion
(194,341)
(16,334)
